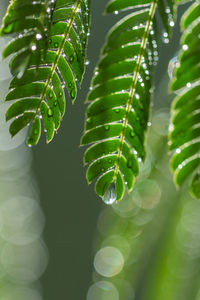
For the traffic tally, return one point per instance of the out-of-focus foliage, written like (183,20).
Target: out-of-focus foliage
(184,128)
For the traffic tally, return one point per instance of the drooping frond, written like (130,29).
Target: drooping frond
(185,123)
(117,116)
(29,21)
(39,93)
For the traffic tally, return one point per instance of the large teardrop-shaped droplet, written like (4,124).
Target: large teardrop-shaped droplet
(110,195)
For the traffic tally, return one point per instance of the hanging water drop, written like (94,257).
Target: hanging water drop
(116,12)
(110,195)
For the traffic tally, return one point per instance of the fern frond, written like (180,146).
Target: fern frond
(30,23)
(39,93)
(185,125)
(116,119)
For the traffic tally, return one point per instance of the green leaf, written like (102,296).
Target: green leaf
(41,73)
(119,97)
(30,23)
(185,125)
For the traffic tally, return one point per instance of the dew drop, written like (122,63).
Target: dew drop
(38,36)
(132,133)
(51,94)
(8,28)
(178,150)
(87,62)
(33,47)
(56,45)
(107,127)
(72,93)
(117,110)
(55,103)
(116,12)
(60,94)
(185,47)
(188,84)
(129,163)
(71,58)
(50,112)
(110,195)
(89,121)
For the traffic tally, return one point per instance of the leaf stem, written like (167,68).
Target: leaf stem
(59,53)
(135,78)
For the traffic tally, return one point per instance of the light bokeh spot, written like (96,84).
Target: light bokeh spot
(108,261)
(102,290)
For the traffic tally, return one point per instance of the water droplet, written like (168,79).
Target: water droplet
(129,163)
(50,112)
(117,110)
(89,121)
(110,161)
(132,133)
(87,62)
(178,150)
(38,36)
(107,127)
(8,28)
(71,58)
(188,84)
(33,47)
(51,94)
(102,170)
(110,195)
(35,131)
(185,47)
(55,103)
(72,93)
(165,38)
(60,94)
(56,45)
(116,12)
(70,84)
